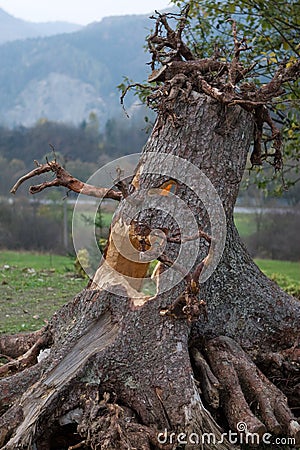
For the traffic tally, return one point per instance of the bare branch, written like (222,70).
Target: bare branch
(63,178)
(168,262)
(169,47)
(42,168)
(285,73)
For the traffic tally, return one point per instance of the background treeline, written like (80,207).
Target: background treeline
(270,229)
(81,149)
(39,222)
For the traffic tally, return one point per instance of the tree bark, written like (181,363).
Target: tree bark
(119,374)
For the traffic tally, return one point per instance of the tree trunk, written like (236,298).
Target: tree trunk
(125,370)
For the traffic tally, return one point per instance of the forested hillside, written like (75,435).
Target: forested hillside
(68,76)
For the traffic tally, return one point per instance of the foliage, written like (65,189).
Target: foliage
(269,26)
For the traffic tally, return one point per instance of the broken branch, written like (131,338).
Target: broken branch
(63,178)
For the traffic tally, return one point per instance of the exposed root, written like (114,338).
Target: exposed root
(244,385)
(15,345)
(108,426)
(210,386)
(283,369)
(28,359)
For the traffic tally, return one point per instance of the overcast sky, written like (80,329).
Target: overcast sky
(77,11)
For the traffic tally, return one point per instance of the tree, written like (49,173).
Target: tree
(127,371)
(272,33)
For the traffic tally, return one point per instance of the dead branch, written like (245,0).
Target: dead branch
(43,168)
(187,305)
(203,66)
(63,178)
(235,69)
(120,183)
(285,73)
(172,40)
(178,239)
(163,258)
(14,345)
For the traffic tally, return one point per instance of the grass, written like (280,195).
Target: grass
(245,223)
(289,269)
(32,287)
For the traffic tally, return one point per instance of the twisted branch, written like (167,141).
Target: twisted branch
(63,178)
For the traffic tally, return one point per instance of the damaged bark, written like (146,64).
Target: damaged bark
(122,370)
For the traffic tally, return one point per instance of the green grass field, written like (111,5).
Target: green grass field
(288,269)
(32,287)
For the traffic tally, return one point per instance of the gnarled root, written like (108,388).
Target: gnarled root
(116,427)
(244,385)
(15,345)
(30,357)
(210,385)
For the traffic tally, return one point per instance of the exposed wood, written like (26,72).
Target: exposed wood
(99,335)
(122,263)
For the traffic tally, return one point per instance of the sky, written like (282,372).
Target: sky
(77,11)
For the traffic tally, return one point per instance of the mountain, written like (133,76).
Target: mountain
(12,29)
(67,76)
